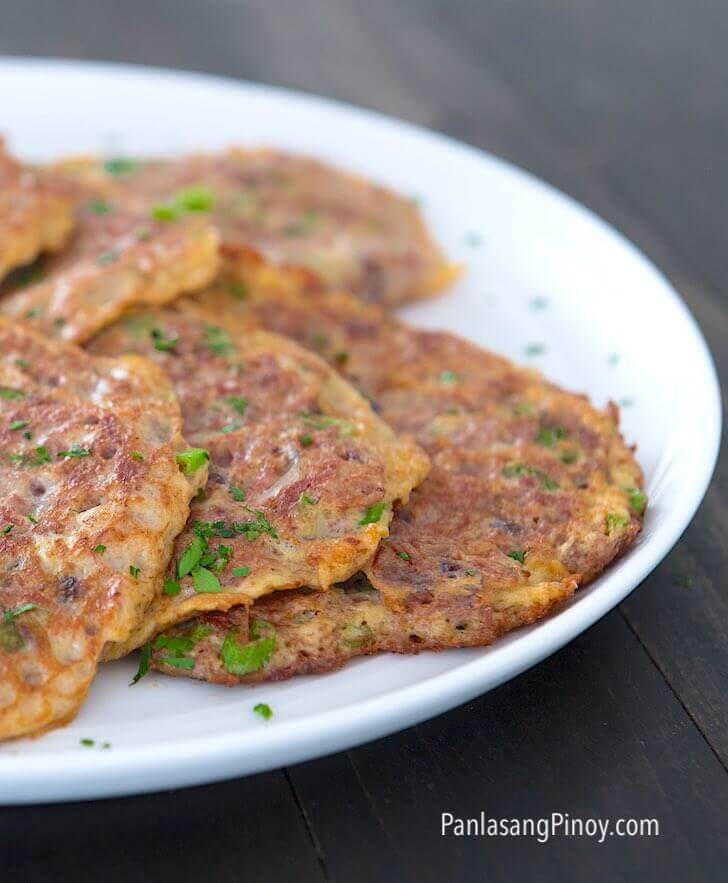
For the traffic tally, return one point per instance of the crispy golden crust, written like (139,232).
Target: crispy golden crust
(532,491)
(91,499)
(33,216)
(308,222)
(118,257)
(303,475)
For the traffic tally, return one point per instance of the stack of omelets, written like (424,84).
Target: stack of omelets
(218,447)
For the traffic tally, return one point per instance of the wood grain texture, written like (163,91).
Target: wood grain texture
(622,105)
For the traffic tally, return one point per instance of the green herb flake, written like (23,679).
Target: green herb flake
(98,207)
(549,435)
(238,290)
(107,257)
(205,581)
(306,440)
(6,530)
(242,659)
(613,521)
(184,662)
(449,377)
(164,212)
(195,199)
(192,459)
(569,457)
(14,612)
(75,451)
(237,494)
(137,455)
(145,656)
(263,710)
(99,550)
(191,556)
(241,571)
(134,571)
(217,340)
(637,499)
(305,500)
(7,392)
(230,427)
(405,556)
(19,424)
(237,404)
(88,743)
(372,514)
(162,343)
(120,165)
(171,587)
(32,519)
(518,556)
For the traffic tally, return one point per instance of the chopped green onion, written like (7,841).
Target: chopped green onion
(192,459)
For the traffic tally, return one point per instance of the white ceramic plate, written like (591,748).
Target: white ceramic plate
(547,282)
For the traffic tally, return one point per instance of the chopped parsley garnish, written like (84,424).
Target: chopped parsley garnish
(41,455)
(637,499)
(237,404)
(306,440)
(177,646)
(145,656)
(231,427)
(251,530)
(205,581)
(164,211)
(75,451)
(241,659)
(405,556)
(549,435)
(237,494)
(613,521)
(302,225)
(137,455)
(185,662)
(241,571)
(19,424)
(192,459)
(341,356)
(22,363)
(470,572)
(238,290)
(6,530)
(217,340)
(306,500)
(263,710)
(569,456)
(322,421)
(171,587)
(191,556)
(120,165)
(162,343)
(13,612)
(87,743)
(516,470)
(518,556)
(195,199)
(134,571)
(32,519)
(372,514)
(100,549)
(107,257)
(7,392)
(98,207)
(449,376)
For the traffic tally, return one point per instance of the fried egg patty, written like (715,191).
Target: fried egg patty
(303,475)
(91,499)
(33,216)
(119,256)
(532,492)
(313,224)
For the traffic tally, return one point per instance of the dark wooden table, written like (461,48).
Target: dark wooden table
(623,105)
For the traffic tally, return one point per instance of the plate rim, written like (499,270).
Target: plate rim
(68,775)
